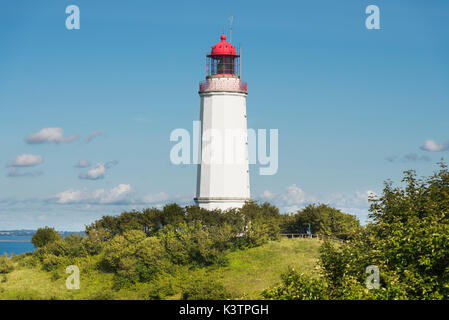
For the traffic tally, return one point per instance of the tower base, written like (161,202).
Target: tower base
(221,203)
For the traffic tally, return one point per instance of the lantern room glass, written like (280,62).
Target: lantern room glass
(223,65)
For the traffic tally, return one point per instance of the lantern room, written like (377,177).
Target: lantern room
(223,60)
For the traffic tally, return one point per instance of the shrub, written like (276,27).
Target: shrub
(62,252)
(262,223)
(51,262)
(6,264)
(134,257)
(161,288)
(296,286)
(407,239)
(257,233)
(27,259)
(44,236)
(194,243)
(72,246)
(151,221)
(204,289)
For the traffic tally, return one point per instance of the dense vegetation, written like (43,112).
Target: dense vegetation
(191,253)
(407,239)
(246,274)
(147,246)
(322,220)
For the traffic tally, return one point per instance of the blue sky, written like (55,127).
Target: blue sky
(353,106)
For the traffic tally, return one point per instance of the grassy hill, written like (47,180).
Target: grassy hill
(245,276)
(251,271)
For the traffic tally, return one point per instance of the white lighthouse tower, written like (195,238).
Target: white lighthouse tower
(223,171)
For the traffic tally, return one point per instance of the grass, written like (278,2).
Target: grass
(251,271)
(32,283)
(248,273)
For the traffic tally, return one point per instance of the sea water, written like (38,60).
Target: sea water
(12,245)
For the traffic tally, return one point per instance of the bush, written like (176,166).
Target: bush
(193,243)
(43,236)
(257,233)
(407,239)
(62,252)
(262,223)
(51,262)
(297,286)
(27,259)
(72,246)
(151,221)
(161,288)
(6,264)
(204,289)
(134,257)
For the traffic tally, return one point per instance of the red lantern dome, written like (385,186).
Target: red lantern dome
(223,48)
(223,60)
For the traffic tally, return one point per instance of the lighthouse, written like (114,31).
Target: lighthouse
(223,170)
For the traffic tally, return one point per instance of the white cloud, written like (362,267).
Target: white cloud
(93,135)
(294,195)
(27,160)
(432,146)
(98,172)
(95,173)
(152,198)
(268,195)
(82,164)
(296,198)
(55,135)
(117,195)
(359,199)
(120,195)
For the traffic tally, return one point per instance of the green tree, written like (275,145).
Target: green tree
(43,236)
(323,220)
(407,239)
(134,257)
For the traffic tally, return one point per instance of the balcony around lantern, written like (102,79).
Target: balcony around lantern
(226,84)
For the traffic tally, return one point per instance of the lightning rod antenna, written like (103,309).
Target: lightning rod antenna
(231,19)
